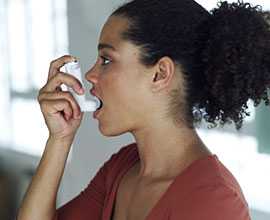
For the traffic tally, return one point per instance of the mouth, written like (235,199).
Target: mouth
(93,92)
(98,110)
(101,104)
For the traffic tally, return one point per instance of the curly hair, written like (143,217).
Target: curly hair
(224,54)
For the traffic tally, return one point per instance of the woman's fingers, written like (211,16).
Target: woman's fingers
(52,94)
(52,107)
(55,65)
(56,77)
(62,96)
(61,111)
(60,78)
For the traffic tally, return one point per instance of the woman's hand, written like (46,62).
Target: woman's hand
(60,110)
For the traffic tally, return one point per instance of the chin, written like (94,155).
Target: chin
(110,131)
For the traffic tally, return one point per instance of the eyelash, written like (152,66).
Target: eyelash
(104,58)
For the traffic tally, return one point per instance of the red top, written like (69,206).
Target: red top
(205,190)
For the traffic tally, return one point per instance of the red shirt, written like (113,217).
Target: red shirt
(205,190)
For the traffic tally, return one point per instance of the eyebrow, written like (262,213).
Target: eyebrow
(103,45)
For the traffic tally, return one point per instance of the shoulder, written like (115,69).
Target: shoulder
(212,202)
(207,190)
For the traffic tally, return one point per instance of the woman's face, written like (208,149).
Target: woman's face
(120,81)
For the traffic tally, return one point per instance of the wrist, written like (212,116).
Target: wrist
(61,143)
(66,139)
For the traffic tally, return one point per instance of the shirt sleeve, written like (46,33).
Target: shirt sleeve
(89,203)
(212,203)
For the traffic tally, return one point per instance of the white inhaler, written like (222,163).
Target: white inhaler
(91,105)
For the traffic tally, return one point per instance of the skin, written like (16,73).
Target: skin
(135,100)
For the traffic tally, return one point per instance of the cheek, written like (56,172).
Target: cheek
(113,86)
(120,94)
(123,87)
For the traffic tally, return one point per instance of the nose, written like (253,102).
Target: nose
(91,76)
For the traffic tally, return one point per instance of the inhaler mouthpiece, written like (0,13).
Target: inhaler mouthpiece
(91,105)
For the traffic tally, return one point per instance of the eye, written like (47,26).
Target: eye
(104,59)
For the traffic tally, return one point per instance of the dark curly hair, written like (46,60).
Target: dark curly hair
(224,54)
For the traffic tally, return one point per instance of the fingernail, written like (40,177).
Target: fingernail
(81,90)
(75,59)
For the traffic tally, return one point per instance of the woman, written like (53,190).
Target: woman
(163,66)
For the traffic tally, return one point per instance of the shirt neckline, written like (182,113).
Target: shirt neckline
(170,187)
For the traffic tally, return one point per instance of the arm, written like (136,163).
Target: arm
(91,203)
(44,185)
(40,204)
(63,117)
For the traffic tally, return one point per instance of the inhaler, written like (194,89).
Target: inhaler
(91,105)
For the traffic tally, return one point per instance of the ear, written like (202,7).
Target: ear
(162,78)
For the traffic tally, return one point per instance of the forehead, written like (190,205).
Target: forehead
(111,31)
(111,35)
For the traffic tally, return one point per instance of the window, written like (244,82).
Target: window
(32,34)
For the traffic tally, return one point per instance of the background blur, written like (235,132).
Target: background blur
(34,33)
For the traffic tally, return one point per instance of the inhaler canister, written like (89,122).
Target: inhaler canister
(90,105)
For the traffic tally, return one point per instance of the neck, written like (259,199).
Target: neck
(166,150)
